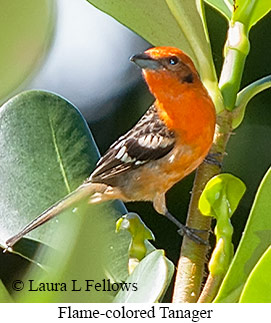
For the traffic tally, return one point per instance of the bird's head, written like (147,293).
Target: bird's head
(166,66)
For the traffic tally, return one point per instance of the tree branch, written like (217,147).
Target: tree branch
(191,265)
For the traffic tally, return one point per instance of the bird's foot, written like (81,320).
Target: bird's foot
(189,232)
(192,234)
(212,159)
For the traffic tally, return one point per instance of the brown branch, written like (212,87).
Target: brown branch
(191,265)
(210,289)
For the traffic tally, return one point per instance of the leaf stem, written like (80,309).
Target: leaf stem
(245,95)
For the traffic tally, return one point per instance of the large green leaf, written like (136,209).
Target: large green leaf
(258,285)
(256,239)
(46,151)
(170,23)
(148,281)
(25,33)
(250,12)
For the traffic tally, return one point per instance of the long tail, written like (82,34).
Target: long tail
(82,191)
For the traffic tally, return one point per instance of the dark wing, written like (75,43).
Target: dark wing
(148,140)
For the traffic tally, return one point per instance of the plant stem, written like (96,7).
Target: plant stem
(210,289)
(192,260)
(236,50)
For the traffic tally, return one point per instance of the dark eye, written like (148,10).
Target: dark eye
(173,60)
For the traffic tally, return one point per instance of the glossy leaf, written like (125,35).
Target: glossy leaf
(250,12)
(170,23)
(25,34)
(255,240)
(225,7)
(151,278)
(46,150)
(258,285)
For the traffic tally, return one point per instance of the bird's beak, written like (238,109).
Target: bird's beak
(145,61)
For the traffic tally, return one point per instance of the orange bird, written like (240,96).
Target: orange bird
(170,140)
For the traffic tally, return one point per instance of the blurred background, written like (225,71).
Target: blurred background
(80,53)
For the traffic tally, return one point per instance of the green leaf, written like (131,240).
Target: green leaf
(170,23)
(223,189)
(258,285)
(26,33)
(46,150)
(255,240)
(250,12)
(139,232)
(225,7)
(220,199)
(150,278)
(4,294)
(244,96)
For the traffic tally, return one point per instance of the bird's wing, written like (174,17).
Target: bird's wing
(148,140)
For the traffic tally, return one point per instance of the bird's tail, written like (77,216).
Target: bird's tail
(86,189)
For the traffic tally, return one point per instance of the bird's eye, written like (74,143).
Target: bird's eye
(173,60)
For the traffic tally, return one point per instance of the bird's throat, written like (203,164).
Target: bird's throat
(185,107)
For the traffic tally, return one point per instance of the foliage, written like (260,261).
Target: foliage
(165,23)
(255,241)
(38,157)
(47,150)
(152,276)
(258,283)
(220,199)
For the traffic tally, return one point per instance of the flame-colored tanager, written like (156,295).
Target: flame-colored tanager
(170,140)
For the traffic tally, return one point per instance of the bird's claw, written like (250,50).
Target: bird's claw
(193,234)
(212,159)
(189,232)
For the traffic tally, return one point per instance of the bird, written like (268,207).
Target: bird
(168,142)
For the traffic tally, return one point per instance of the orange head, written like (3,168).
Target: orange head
(166,68)
(182,100)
